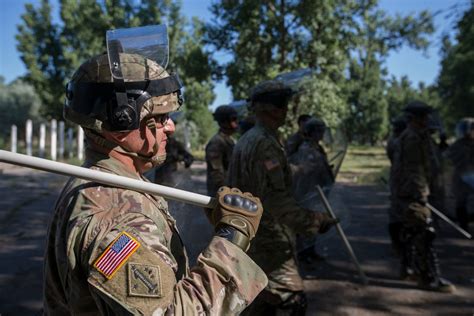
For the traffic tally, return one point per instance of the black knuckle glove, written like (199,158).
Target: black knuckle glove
(237,216)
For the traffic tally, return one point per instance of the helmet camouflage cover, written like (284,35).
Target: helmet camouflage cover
(273,92)
(90,92)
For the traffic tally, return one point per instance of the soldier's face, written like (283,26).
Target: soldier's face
(278,114)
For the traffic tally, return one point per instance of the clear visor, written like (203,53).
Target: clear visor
(150,42)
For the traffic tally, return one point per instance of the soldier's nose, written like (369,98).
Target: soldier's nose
(169,127)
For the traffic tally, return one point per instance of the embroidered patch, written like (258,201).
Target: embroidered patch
(144,280)
(116,254)
(271,164)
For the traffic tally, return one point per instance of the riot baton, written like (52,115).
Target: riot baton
(328,208)
(447,220)
(107,178)
(442,216)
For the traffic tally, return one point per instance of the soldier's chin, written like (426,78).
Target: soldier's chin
(158,160)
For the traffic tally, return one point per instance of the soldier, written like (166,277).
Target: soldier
(410,187)
(113,251)
(295,140)
(219,149)
(175,153)
(259,166)
(461,153)
(310,168)
(395,219)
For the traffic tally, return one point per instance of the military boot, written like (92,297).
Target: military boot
(430,278)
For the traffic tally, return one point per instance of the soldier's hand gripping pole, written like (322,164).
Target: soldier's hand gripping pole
(447,220)
(107,178)
(328,208)
(440,215)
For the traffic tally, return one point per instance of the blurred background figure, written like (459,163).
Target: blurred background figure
(295,140)
(461,154)
(219,148)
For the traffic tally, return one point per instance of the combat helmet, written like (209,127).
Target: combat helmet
(93,97)
(274,92)
(314,125)
(224,113)
(417,108)
(464,127)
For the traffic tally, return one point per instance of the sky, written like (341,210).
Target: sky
(418,66)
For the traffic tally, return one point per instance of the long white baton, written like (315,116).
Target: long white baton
(447,220)
(326,204)
(106,178)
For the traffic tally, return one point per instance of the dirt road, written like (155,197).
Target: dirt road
(27,198)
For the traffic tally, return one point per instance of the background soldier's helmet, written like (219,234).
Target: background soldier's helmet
(273,92)
(417,108)
(225,113)
(314,125)
(91,94)
(464,127)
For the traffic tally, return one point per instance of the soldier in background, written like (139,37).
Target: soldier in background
(114,251)
(310,168)
(395,221)
(461,153)
(259,166)
(295,140)
(175,153)
(410,186)
(219,148)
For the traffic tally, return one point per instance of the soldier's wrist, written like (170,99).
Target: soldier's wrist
(234,236)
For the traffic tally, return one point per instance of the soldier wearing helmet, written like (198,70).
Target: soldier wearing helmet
(461,154)
(295,140)
(219,148)
(412,172)
(259,166)
(114,251)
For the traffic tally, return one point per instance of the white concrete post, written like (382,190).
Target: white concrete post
(29,137)
(61,139)
(13,139)
(54,137)
(42,140)
(187,142)
(70,142)
(80,143)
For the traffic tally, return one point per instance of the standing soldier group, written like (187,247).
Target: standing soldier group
(414,182)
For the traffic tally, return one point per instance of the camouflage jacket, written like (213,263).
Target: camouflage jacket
(293,142)
(218,156)
(412,165)
(117,251)
(175,152)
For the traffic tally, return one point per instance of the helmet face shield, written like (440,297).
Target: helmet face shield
(150,42)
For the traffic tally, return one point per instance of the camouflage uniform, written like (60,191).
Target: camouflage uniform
(218,156)
(175,153)
(461,153)
(259,166)
(155,279)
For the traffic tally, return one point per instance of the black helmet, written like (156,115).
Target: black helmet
(225,113)
(314,125)
(418,108)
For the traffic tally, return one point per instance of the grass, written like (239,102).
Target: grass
(365,165)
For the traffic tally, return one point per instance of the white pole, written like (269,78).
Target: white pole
(13,139)
(80,143)
(107,178)
(54,137)
(29,137)
(42,139)
(187,143)
(70,143)
(61,139)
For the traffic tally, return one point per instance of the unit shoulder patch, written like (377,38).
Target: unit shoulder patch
(144,280)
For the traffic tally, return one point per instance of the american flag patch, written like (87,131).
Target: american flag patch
(116,254)
(271,164)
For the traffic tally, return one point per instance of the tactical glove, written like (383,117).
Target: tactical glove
(325,222)
(236,216)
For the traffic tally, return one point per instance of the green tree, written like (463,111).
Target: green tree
(51,52)
(456,79)
(18,102)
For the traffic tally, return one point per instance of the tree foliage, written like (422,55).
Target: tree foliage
(345,42)
(456,79)
(52,51)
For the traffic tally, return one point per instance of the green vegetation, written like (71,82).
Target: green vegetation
(365,165)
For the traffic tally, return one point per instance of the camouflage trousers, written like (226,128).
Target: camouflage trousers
(274,250)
